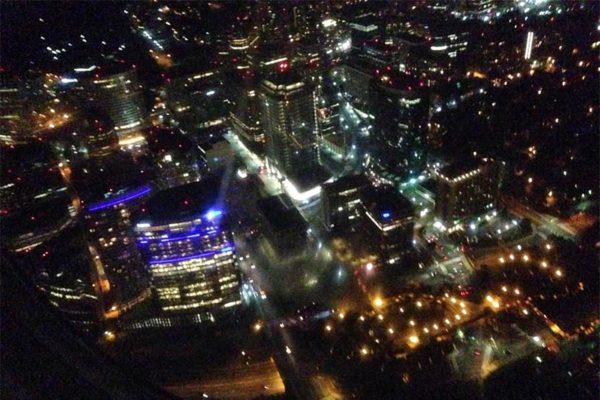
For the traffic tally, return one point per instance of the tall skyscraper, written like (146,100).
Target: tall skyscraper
(400,108)
(118,93)
(110,190)
(466,188)
(189,251)
(290,123)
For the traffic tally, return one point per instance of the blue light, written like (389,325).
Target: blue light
(182,237)
(212,214)
(386,215)
(119,199)
(192,257)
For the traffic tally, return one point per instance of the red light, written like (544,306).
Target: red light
(388,68)
(283,66)
(421,83)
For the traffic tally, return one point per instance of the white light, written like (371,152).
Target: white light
(88,69)
(528,45)
(329,22)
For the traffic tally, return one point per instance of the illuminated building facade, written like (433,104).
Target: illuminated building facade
(61,270)
(341,201)
(120,96)
(178,159)
(117,261)
(195,97)
(244,116)
(13,110)
(189,251)
(109,189)
(400,106)
(290,123)
(466,188)
(390,222)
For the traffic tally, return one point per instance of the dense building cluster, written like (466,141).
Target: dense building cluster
(397,198)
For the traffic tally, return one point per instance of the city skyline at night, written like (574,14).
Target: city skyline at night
(296,199)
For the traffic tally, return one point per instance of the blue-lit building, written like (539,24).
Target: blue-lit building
(189,251)
(110,190)
(389,223)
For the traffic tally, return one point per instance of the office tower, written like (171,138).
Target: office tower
(244,115)
(61,269)
(390,223)
(110,189)
(399,104)
(283,226)
(178,159)
(196,97)
(118,93)
(30,175)
(14,121)
(290,123)
(188,249)
(466,188)
(341,201)
(26,228)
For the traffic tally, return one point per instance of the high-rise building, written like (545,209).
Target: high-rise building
(290,123)
(196,97)
(61,269)
(244,117)
(341,201)
(466,188)
(119,94)
(13,110)
(177,158)
(110,189)
(189,251)
(390,223)
(399,104)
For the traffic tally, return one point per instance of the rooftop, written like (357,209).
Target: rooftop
(345,183)
(386,204)
(98,179)
(281,216)
(182,202)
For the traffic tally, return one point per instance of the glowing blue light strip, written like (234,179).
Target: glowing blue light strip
(198,255)
(182,237)
(120,199)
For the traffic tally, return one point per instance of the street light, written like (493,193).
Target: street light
(378,302)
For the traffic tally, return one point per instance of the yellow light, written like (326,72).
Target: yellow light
(544,264)
(419,304)
(364,350)
(378,302)
(257,327)
(328,328)
(411,322)
(558,273)
(517,292)
(413,339)
(504,289)
(502,260)
(391,331)
(525,258)
(341,316)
